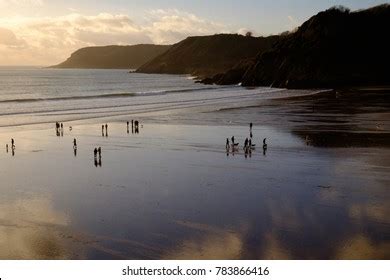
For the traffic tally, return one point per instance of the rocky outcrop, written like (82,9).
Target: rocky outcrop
(335,48)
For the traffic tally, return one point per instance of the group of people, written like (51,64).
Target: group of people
(134,127)
(98,160)
(13,147)
(59,129)
(105,127)
(248,143)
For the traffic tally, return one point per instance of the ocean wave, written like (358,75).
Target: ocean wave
(103,96)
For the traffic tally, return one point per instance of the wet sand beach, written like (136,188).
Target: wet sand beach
(172,191)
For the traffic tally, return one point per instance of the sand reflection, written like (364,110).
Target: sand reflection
(215,244)
(30,229)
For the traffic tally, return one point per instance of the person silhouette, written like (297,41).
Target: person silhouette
(128,128)
(75,152)
(12,143)
(250,126)
(100,157)
(106,130)
(227,144)
(6,148)
(246,144)
(74,143)
(265,146)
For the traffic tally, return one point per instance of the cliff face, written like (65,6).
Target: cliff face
(113,57)
(335,48)
(207,55)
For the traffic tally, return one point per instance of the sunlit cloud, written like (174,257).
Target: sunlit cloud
(293,23)
(50,40)
(170,26)
(20,3)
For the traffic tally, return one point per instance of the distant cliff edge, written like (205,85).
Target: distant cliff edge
(335,48)
(207,55)
(113,57)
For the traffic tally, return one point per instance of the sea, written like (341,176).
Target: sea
(34,95)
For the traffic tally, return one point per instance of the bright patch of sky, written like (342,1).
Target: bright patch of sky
(43,32)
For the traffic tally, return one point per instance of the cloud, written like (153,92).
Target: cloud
(8,38)
(50,40)
(170,26)
(20,3)
(293,23)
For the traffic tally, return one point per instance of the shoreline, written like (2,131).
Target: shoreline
(172,192)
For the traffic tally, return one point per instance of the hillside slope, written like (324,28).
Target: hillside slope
(207,55)
(335,48)
(113,57)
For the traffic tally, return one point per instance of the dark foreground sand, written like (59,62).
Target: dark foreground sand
(172,191)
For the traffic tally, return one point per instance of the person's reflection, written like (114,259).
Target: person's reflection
(6,148)
(264,152)
(97,157)
(136,130)
(75,151)
(13,151)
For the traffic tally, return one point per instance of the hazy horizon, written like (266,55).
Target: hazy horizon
(39,33)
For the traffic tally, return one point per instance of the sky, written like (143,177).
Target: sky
(46,32)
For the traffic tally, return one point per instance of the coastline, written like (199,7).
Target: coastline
(172,191)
